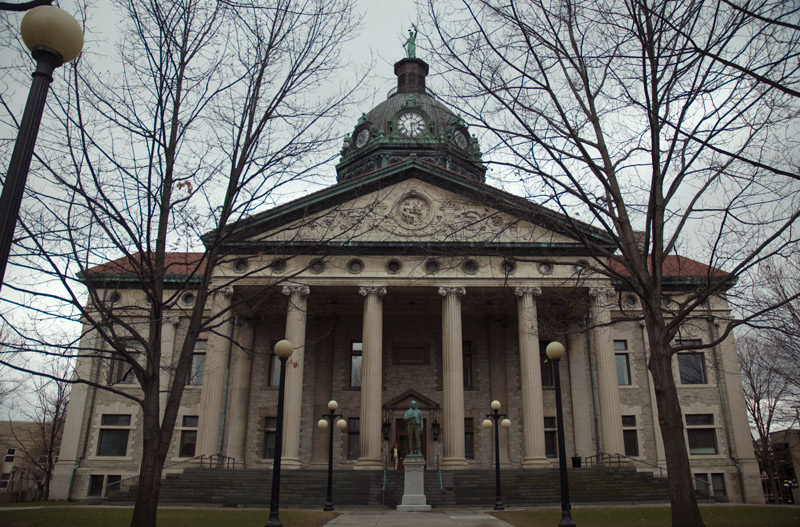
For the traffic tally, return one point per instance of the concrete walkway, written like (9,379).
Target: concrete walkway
(436,518)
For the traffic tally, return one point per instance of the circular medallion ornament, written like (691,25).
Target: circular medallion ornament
(461,139)
(413,211)
(411,124)
(362,138)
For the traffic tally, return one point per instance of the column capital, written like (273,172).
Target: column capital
(299,289)
(460,291)
(174,320)
(370,290)
(602,293)
(528,290)
(226,291)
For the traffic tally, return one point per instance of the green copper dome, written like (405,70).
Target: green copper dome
(410,121)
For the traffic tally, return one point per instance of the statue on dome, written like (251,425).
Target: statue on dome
(411,43)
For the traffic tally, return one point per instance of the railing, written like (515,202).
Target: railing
(603,459)
(215,461)
(426,91)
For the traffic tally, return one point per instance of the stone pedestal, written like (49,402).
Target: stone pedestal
(414,487)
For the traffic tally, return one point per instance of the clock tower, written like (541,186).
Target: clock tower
(411,121)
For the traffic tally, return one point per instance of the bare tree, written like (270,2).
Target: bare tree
(208,112)
(766,392)
(609,112)
(38,440)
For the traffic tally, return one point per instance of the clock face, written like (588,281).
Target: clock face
(362,138)
(411,124)
(461,139)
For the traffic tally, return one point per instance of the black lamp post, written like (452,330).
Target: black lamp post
(555,351)
(283,349)
(53,37)
(327,422)
(505,423)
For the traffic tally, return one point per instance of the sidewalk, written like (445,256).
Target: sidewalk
(436,518)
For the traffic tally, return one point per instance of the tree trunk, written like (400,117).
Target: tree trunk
(685,512)
(153,456)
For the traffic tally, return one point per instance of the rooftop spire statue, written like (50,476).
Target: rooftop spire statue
(411,43)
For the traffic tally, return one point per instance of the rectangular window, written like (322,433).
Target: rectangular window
(701,484)
(718,484)
(692,367)
(4,479)
(353,433)
(630,435)
(356,348)
(188,435)
(466,352)
(121,372)
(96,485)
(198,363)
(469,438)
(620,345)
(112,482)
(701,434)
(10,453)
(550,437)
(546,365)
(270,435)
(113,438)
(623,369)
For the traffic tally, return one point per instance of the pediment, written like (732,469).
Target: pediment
(412,210)
(402,401)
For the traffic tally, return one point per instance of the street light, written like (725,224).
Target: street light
(341,424)
(555,351)
(505,423)
(53,37)
(283,349)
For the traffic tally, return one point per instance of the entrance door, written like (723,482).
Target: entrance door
(401,436)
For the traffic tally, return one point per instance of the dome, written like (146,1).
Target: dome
(410,121)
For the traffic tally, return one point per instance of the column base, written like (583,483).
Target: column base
(290,463)
(368,464)
(62,476)
(454,463)
(537,462)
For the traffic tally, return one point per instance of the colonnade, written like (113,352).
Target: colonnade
(452,435)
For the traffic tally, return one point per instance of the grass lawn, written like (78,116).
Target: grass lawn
(716,516)
(105,517)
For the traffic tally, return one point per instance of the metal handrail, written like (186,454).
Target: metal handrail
(602,456)
(439,469)
(222,462)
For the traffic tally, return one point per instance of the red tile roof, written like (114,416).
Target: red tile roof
(678,267)
(175,263)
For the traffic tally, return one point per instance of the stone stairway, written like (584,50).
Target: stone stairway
(307,488)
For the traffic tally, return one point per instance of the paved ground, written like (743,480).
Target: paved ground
(436,518)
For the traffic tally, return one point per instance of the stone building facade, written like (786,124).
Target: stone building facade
(413,279)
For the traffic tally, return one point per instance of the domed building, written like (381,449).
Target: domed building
(412,279)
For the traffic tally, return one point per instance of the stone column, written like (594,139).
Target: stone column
(296,314)
(533,455)
(323,386)
(581,393)
(168,362)
(371,379)
(498,382)
(610,412)
(453,379)
(209,432)
(241,364)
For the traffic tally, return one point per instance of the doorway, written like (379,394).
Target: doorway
(401,437)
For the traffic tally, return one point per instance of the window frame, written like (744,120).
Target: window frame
(469,438)
(466,363)
(10,455)
(550,437)
(270,431)
(630,430)
(685,373)
(353,438)
(356,351)
(698,431)
(107,431)
(627,366)
(186,430)
(546,366)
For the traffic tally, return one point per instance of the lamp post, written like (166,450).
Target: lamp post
(555,351)
(53,37)
(327,422)
(283,349)
(505,423)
